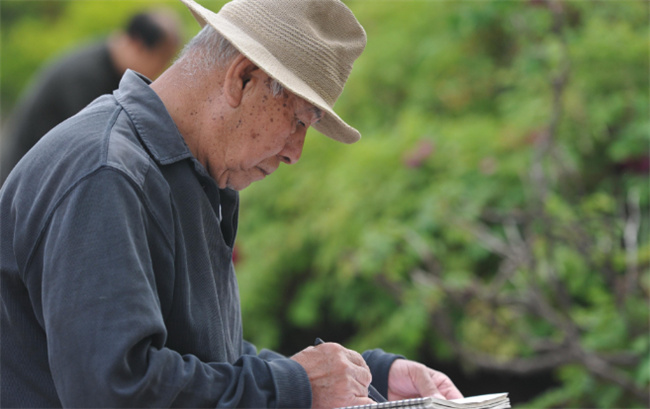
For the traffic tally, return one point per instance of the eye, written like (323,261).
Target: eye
(298,122)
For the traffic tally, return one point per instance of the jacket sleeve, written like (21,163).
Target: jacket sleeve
(266,354)
(379,363)
(103,320)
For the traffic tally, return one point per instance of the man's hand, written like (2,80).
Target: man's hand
(339,377)
(409,379)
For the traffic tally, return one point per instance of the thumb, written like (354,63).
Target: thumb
(424,383)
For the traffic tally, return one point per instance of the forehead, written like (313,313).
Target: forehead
(308,108)
(301,106)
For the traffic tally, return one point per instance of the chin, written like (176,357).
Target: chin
(238,186)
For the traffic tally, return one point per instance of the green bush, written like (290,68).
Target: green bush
(494,215)
(495,212)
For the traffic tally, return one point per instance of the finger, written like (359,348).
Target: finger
(361,400)
(356,358)
(352,356)
(445,385)
(363,373)
(362,379)
(424,383)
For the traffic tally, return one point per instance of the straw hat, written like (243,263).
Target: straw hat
(308,46)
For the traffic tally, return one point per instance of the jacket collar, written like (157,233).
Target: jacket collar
(153,123)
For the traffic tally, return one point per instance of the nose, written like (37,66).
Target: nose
(292,150)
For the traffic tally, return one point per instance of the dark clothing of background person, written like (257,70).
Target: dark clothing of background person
(62,90)
(67,85)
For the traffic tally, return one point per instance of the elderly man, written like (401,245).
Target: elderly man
(118,288)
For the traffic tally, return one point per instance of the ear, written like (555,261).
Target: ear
(237,77)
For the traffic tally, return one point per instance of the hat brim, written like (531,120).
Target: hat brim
(330,125)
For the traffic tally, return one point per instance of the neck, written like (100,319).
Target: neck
(193,100)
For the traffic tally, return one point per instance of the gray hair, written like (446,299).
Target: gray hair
(209,50)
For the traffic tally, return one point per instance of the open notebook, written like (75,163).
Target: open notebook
(491,401)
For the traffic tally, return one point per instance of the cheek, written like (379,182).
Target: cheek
(271,126)
(277,126)
(286,121)
(262,144)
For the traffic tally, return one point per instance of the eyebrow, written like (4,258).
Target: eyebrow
(317,112)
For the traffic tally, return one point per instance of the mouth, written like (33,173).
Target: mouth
(264,172)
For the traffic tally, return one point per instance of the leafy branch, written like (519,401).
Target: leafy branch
(529,283)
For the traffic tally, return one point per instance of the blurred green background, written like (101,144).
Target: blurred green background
(493,221)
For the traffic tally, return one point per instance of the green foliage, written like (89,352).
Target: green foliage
(483,216)
(493,213)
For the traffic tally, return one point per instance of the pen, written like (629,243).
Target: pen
(372,392)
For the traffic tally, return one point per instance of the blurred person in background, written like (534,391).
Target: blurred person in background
(147,45)
(118,287)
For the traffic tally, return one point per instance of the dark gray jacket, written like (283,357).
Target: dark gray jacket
(117,284)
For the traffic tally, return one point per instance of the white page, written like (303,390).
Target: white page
(489,401)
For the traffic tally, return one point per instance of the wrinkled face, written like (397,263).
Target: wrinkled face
(270,130)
